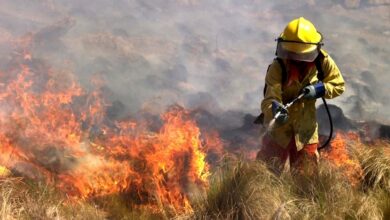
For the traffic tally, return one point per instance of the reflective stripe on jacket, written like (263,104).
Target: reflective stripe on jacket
(302,115)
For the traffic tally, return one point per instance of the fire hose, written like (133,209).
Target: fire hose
(299,97)
(330,125)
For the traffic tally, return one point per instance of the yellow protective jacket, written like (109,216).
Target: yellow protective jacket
(302,122)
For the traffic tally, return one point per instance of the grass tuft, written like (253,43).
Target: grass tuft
(375,161)
(239,190)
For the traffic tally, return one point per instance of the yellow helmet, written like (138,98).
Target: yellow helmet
(300,40)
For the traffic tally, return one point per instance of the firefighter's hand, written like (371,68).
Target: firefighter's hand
(279,112)
(314,91)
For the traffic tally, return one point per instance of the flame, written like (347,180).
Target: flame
(339,156)
(53,126)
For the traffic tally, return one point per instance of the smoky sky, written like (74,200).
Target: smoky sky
(197,53)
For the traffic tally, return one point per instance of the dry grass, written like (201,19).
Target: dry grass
(376,164)
(24,200)
(375,160)
(121,207)
(238,189)
(248,190)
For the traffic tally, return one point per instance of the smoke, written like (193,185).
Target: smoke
(200,54)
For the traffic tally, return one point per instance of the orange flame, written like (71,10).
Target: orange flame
(339,156)
(49,122)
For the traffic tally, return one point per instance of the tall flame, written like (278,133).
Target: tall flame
(49,123)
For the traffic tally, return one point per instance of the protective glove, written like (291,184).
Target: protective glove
(280,112)
(314,91)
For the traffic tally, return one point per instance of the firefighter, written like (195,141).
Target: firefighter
(299,60)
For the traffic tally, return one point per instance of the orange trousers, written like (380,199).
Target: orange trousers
(271,151)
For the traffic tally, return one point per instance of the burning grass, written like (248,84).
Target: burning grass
(238,189)
(54,131)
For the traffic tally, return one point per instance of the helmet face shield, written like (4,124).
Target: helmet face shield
(297,50)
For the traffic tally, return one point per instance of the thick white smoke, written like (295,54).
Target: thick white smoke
(210,54)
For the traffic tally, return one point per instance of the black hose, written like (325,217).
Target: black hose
(331,125)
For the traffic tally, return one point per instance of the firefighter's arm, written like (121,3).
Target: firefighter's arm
(333,80)
(273,91)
